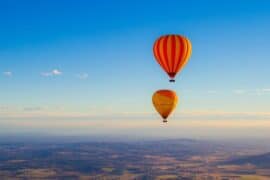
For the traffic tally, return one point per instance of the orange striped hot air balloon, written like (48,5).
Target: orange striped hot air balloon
(172,52)
(164,102)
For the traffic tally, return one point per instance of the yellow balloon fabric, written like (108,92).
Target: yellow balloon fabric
(164,102)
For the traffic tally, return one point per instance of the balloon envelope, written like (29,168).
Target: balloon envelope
(172,52)
(164,102)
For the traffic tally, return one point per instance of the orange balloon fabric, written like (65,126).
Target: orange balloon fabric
(172,52)
(164,102)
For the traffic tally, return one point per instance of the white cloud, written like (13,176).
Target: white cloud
(212,92)
(32,109)
(46,74)
(266,90)
(3,108)
(82,76)
(239,91)
(263,91)
(54,72)
(7,73)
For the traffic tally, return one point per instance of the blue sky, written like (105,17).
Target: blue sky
(91,58)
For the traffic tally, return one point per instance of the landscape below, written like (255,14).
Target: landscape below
(160,159)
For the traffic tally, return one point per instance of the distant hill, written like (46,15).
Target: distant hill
(261,161)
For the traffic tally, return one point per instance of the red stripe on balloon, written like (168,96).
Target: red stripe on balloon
(164,50)
(181,53)
(157,54)
(173,51)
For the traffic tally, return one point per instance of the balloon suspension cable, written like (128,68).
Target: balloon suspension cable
(172,80)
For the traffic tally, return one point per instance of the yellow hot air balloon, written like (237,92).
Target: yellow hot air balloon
(164,102)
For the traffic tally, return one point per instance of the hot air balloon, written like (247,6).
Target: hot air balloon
(164,102)
(172,52)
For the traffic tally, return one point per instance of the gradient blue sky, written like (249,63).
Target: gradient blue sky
(101,55)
